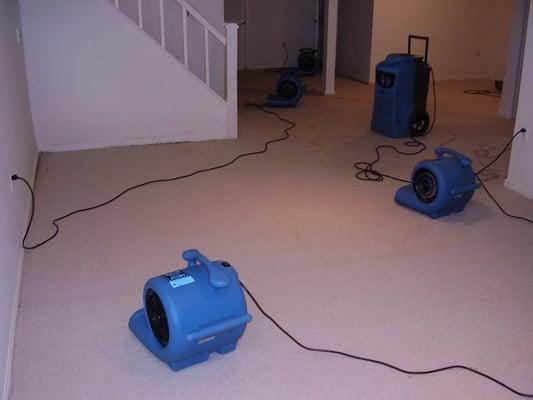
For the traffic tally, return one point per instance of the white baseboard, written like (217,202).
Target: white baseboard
(18,291)
(527,192)
(52,148)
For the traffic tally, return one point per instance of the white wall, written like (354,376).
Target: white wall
(212,10)
(521,166)
(270,23)
(331,14)
(96,80)
(468,39)
(513,70)
(17,155)
(354,38)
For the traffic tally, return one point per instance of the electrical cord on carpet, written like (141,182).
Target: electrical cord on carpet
(453,137)
(483,92)
(366,171)
(374,361)
(286,55)
(507,145)
(491,196)
(483,153)
(55,222)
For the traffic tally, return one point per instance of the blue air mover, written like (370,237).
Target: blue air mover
(289,91)
(402,82)
(308,63)
(192,312)
(441,186)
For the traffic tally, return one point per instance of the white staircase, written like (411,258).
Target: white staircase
(203,50)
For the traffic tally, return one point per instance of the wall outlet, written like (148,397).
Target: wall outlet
(11,183)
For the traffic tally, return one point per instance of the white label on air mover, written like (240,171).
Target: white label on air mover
(179,278)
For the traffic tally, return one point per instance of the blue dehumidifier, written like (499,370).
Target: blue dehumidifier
(441,186)
(402,83)
(192,312)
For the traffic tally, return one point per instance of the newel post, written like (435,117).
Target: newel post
(231,78)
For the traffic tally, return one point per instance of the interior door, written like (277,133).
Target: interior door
(354,38)
(270,24)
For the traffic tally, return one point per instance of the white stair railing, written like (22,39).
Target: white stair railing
(229,43)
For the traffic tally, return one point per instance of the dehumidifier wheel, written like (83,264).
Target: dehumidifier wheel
(418,123)
(425,185)
(157,317)
(287,89)
(307,60)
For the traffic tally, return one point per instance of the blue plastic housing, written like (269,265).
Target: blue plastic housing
(205,311)
(402,82)
(275,100)
(456,183)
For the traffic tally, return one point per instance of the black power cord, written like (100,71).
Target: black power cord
(483,153)
(485,168)
(286,55)
(366,171)
(374,361)
(500,206)
(483,92)
(55,222)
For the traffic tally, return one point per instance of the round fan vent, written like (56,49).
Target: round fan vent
(425,185)
(307,60)
(157,317)
(287,89)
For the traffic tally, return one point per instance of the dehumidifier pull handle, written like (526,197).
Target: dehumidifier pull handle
(217,276)
(424,38)
(464,160)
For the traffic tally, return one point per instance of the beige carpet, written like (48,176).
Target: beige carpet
(334,259)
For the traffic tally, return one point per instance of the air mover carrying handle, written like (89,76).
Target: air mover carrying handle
(424,38)
(441,151)
(217,277)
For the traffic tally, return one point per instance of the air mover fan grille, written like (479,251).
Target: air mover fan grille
(157,317)
(306,62)
(287,89)
(425,185)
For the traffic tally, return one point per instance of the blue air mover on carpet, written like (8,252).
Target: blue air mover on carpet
(192,312)
(289,91)
(402,82)
(308,63)
(441,186)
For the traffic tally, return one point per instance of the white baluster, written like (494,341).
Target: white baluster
(116,4)
(185,45)
(162,19)
(140,12)
(231,79)
(206,40)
